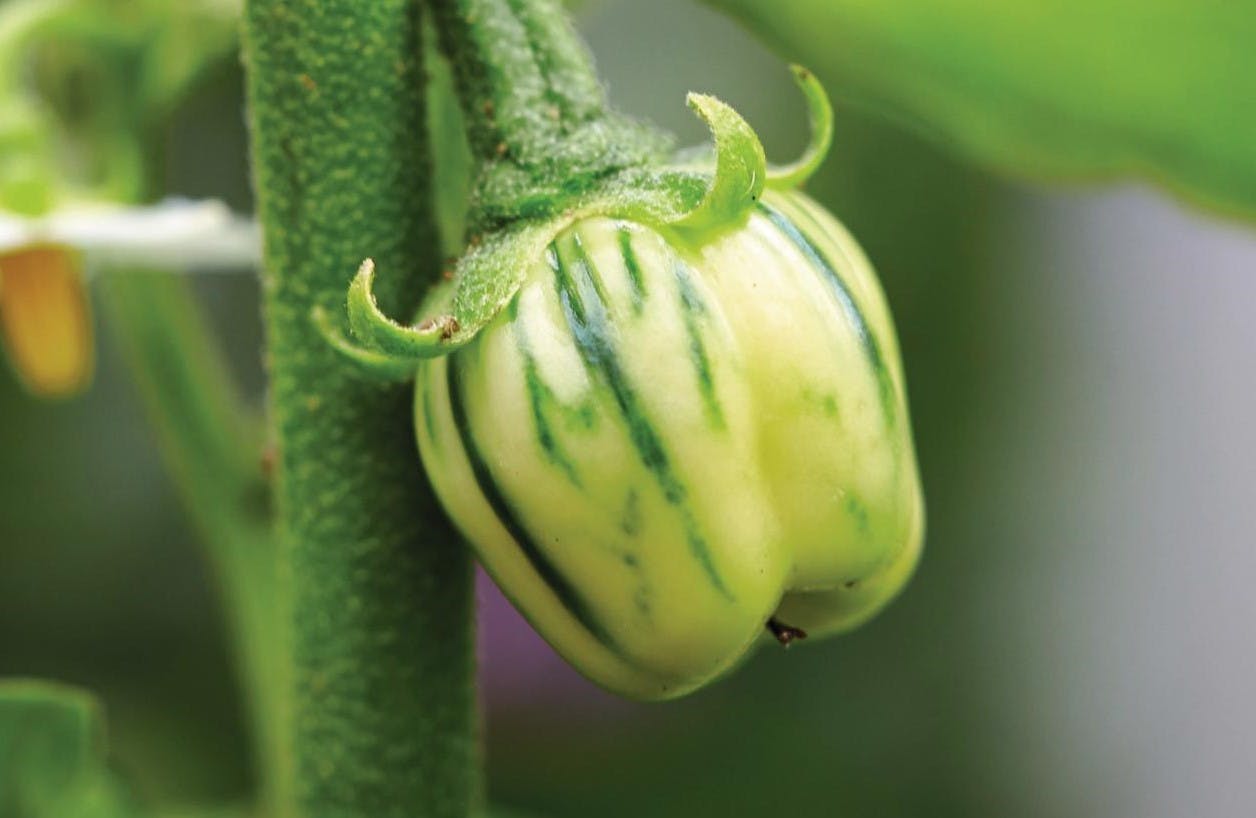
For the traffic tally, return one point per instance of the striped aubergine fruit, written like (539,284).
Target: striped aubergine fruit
(671,438)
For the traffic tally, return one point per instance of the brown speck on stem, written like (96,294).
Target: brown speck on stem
(501,148)
(269,460)
(488,108)
(785,634)
(308,82)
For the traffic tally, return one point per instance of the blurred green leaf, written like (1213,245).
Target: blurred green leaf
(95,80)
(1072,88)
(52,755)
(227,811)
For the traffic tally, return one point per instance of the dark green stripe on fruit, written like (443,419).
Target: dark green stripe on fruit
(539,395)
(585,311)
(634,270)
(858,513)
(692,310)
(630,520)
(566,594)
(845,300)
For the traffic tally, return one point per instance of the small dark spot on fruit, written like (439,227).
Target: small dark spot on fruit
(785,634)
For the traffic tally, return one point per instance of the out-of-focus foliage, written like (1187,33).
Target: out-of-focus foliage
(52,755)
(1162,88)
(84,84)
(103,584)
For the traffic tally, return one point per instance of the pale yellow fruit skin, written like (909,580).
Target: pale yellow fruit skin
(690,451)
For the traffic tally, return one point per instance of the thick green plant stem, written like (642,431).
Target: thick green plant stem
(212,447)
(379,591)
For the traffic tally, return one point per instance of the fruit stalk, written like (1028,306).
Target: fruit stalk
(521,73)
(538,121)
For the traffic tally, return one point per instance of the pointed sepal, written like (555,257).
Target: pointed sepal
(820,113)
(740,165)
(381,334)
(366,362)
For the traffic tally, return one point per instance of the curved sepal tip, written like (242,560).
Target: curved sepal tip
(740,165)
(367,362)
(381,334)
(820,113)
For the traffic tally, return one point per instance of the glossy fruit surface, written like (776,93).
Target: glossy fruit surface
(672,436)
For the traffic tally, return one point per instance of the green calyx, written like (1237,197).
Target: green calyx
(517,211)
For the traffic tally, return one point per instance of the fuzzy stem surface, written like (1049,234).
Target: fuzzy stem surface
(538,121)
(378,591)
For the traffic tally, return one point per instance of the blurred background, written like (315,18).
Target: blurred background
(1077,642)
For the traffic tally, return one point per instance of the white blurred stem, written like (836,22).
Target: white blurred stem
(177,234)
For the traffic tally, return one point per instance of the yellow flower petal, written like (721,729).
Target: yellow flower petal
(45,319)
